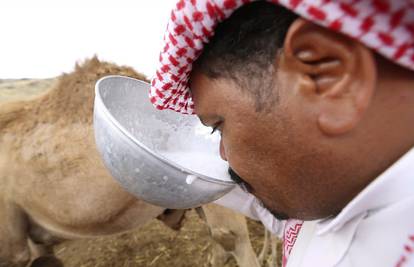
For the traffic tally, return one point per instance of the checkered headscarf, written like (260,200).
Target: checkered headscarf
(383,25)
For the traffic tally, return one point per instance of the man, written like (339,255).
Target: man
(315,104)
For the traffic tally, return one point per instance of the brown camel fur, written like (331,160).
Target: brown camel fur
(53,184)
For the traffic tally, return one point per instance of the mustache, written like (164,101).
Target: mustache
(239,181)
(247,188)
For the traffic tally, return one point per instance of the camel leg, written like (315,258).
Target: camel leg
(43,255)
(219,256)
(173,218)
(229,230)
(14,250)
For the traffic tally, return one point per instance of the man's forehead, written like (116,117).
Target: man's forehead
(201,86)
(207,94)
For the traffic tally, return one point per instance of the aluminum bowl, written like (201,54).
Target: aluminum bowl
(131,134)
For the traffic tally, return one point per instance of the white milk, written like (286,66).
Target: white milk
(202,163)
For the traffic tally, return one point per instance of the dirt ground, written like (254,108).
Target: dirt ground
(153,244)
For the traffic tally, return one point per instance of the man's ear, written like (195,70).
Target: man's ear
(338,74)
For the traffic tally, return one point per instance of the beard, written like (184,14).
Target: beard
(249,189)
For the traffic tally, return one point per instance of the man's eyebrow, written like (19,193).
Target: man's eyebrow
(239,181)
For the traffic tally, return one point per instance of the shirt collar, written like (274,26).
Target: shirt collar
(395,184)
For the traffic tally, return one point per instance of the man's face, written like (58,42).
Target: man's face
(336,118)
(278,152)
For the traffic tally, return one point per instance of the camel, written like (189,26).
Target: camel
(54,186)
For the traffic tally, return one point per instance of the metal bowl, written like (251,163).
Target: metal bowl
(131,136)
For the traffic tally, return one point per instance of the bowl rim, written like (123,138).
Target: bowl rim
(105,112)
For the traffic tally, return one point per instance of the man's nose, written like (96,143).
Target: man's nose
(222,152)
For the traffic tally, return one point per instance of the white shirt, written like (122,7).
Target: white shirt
(375,229)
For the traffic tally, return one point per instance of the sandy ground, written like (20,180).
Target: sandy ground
(151,245)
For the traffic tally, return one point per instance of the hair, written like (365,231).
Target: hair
(244,49)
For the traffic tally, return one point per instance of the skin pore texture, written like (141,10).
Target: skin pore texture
(340,116)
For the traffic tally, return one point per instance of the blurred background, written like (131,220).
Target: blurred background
(48,71)
(43,38)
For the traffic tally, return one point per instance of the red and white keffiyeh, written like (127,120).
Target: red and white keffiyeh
(383,25)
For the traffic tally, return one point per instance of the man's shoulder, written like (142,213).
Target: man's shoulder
(384,237)
(381,237)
